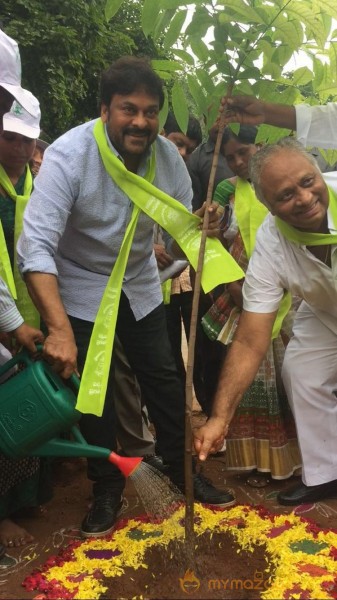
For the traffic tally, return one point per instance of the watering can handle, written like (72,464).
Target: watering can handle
(73,379)
(24,357)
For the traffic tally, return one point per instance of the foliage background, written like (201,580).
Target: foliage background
(201,49)
(64,47)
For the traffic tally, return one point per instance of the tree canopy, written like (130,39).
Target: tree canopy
(243,46)
(65,46)
(201,49)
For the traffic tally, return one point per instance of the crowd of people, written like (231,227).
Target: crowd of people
(83,256)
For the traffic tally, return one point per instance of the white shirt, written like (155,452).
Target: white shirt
(277,265)
(317,125)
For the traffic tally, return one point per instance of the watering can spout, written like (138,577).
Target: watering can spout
(79,447)
(126,464)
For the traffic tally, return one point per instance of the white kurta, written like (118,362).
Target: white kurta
(310,364)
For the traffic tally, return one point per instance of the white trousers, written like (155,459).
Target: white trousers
(310,375)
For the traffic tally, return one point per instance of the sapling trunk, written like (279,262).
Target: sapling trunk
(189,513)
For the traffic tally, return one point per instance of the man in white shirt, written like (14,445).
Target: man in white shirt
(294,251)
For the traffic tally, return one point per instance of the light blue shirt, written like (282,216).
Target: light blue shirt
(76,219)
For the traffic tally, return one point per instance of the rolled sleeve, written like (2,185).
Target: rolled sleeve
(262,289)
(317,125)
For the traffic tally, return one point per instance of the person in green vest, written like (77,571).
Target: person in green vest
(17,478)
(21,481)
(86,253)
(295,251)
(262,433)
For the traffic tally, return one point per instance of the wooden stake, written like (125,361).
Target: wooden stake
(189,494)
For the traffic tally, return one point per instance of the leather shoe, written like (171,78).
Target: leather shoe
(303,494)
(156,462)
(206,493)
(102,515)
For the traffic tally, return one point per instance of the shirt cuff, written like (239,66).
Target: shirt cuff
(10,319)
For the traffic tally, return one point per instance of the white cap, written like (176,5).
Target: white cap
(10,69)
(20,120)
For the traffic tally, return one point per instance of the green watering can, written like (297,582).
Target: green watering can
(36,405)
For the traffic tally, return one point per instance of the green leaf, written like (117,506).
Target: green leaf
(302,13)
(272,69)
(206,80)
(166,65)
(200,23)
(112,7)
(245,13)
(179,105)
(302,76)
(234,127)
(281,55)
(318,72)
(197,94)
(244,87)
(266,90)
(289,33)
(333,60)
(225,67)
(150,15)
(270,134)
(174,29)
(199,48)
(164,111)
(330,156)
(212,112)
(250,73)
(162,23)
(327,6)
(184,56)
(174,3)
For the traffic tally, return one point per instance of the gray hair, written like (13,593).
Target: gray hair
(266,154)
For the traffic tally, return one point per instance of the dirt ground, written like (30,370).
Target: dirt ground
(72,494)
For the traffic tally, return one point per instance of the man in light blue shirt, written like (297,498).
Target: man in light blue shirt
(73,229)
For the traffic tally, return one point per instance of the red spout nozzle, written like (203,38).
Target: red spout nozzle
(126,464)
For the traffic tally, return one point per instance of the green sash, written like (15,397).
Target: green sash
(14,281)
(172,216)
(166,290)
(250,214)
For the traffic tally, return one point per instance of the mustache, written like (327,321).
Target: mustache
(137,131)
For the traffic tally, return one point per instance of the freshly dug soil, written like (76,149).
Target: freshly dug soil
(218,571)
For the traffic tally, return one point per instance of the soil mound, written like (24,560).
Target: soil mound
(218,571)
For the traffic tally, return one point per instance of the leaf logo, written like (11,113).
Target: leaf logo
(16,109)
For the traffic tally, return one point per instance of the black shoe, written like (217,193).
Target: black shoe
(303,494)
(205,492)
(156,462)
(102,515)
